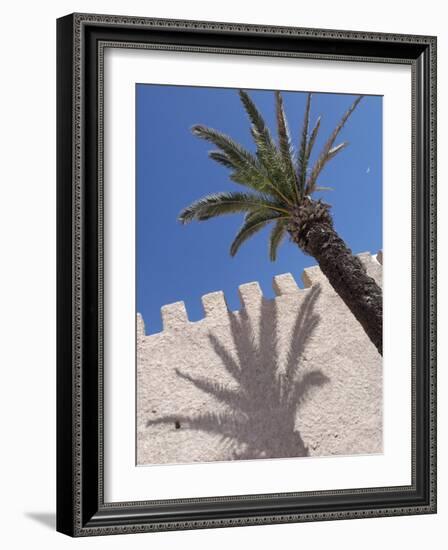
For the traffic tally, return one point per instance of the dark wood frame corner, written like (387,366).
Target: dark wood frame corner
(81,510)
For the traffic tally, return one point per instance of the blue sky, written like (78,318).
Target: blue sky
(176,262)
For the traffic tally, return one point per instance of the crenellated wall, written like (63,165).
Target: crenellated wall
(291,376)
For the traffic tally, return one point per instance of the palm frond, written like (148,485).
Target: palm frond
(328,152)
(254,114)
(220,204)
(247,170)
(250,174)
(302,161)
(270,158)
(254,222)
(277,235)
(268,154)
(312,139)
(335,150)
(319,165)
(284,141)
(221,158)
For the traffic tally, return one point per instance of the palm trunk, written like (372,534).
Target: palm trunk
(348,277)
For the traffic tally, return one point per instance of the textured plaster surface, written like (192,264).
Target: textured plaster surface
(292,376)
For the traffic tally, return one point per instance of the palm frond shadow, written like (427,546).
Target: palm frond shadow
(260,413)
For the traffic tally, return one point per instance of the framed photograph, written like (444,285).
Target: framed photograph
(246,274)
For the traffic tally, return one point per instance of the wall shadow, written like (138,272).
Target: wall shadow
(259,420)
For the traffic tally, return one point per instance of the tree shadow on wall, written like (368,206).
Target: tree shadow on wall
(259,417)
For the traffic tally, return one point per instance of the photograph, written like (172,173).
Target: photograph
(259,253)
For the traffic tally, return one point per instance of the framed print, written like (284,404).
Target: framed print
(246,274)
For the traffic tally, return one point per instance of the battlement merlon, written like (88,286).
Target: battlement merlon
(285,284)
(140,327)
(214,304)
(250,295)
(174,315)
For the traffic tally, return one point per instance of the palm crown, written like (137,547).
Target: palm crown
(279,181)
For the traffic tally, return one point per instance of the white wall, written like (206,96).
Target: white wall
(27,300)
(346,396)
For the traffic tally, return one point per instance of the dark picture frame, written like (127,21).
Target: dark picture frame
(81,509)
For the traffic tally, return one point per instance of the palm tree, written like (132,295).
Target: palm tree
(279,189)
